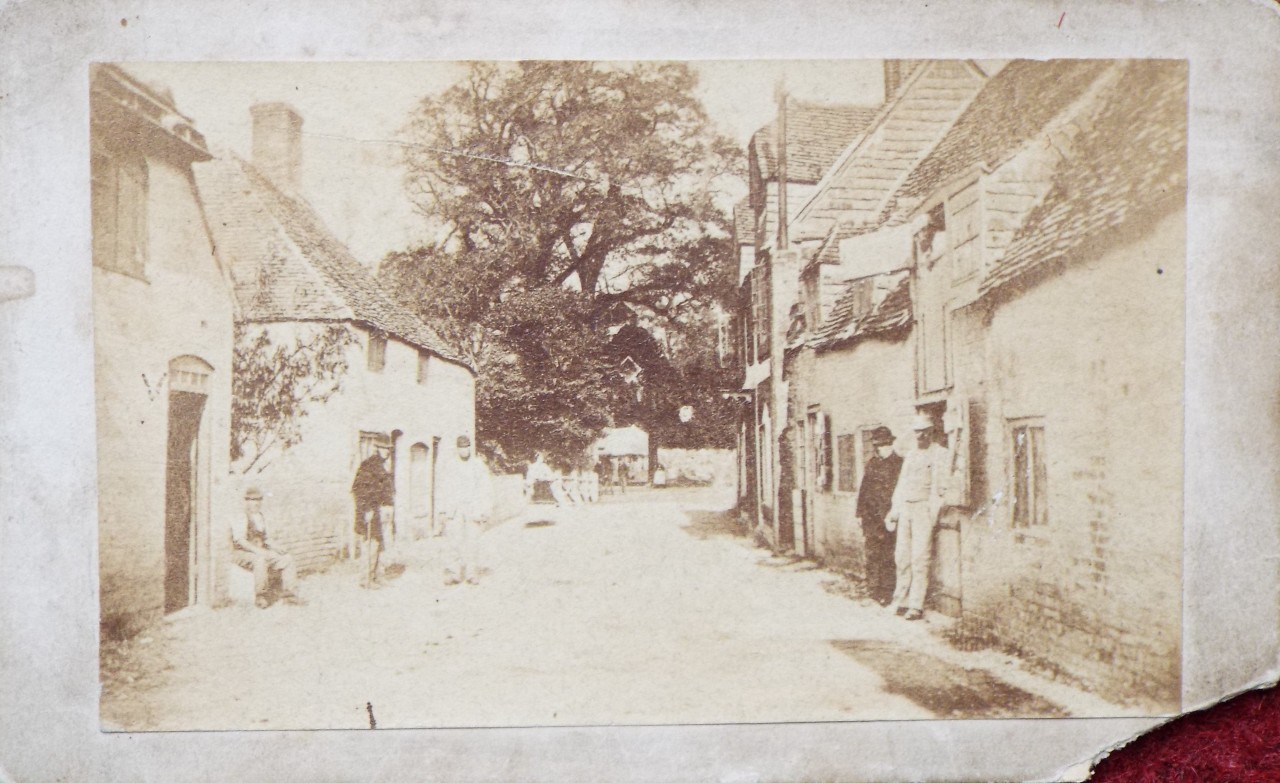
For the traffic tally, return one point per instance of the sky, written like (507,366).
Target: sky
(354,179)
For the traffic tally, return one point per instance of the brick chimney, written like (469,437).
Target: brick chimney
(277,143)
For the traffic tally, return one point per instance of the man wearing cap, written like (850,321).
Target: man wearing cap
(917,501)
(466,504)
(373,488)
(875,496)
(251,548)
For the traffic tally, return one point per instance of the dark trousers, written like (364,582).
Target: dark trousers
(879,559)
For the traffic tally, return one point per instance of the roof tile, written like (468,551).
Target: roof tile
(1130,165)
(288,266)
(816,135)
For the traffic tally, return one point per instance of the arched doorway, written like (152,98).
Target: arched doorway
(185,472)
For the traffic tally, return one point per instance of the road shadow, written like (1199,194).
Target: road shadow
(713,524)
(947,690)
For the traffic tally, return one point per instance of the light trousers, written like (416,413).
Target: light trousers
(462,535)
(913,554)
(262,563)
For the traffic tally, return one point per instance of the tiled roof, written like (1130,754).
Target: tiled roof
(1128,166)
(744,224)
(864,178)
(1010,110)
(816,135)
(850,320)
(287,266)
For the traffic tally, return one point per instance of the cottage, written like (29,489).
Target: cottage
(1066,367)
(852,191)
(815,136)
(163,316)
(1024,286)
(395,382)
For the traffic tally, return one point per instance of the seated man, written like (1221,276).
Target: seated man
(251,549)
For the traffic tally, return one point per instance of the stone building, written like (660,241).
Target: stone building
(815,137)
(402,387)
(163,315)
(842,177)
(1024,285)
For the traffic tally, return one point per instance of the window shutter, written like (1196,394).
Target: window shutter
(824,451)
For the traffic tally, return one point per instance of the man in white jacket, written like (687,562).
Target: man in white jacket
(917,502)
(467,504)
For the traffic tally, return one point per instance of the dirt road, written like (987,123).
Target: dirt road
(638,610)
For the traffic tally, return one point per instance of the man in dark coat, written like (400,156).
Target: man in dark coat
(875,496)
(373,489)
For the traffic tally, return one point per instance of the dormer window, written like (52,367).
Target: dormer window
(377,351)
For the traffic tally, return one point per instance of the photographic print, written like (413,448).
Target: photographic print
(600,393)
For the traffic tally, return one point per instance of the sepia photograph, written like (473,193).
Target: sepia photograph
(559,393)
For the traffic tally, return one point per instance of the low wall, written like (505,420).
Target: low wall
(508,496)
(699,466)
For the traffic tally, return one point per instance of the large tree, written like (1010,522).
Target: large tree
(561,194)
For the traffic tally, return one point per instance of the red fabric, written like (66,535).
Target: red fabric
(1235,742)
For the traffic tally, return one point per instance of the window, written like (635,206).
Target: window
(847,454)
(966,222)
(1030,477)
(854,451)
(424,367)
(377,351)
(119,205)
(819,451)
(760,321)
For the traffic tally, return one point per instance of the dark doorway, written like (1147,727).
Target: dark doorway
(180,498)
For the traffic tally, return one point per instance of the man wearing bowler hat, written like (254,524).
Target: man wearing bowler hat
(252,548)
(917,501)
(875,496)
(467,504)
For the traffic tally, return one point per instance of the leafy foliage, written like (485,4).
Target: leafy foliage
(567,196)
(274,386)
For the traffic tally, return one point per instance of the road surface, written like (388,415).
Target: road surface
(643,609)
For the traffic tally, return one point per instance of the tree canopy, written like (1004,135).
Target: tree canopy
(565,196)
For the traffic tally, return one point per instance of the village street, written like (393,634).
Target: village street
(642,609)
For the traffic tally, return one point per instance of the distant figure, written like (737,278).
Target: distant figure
(660,476)
(251,548)
(875,497)
(917,501)
(538,478)
(604,477)
(467,504)
(373,488)
(591,486)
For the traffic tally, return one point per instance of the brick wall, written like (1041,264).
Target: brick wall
(1095,356)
